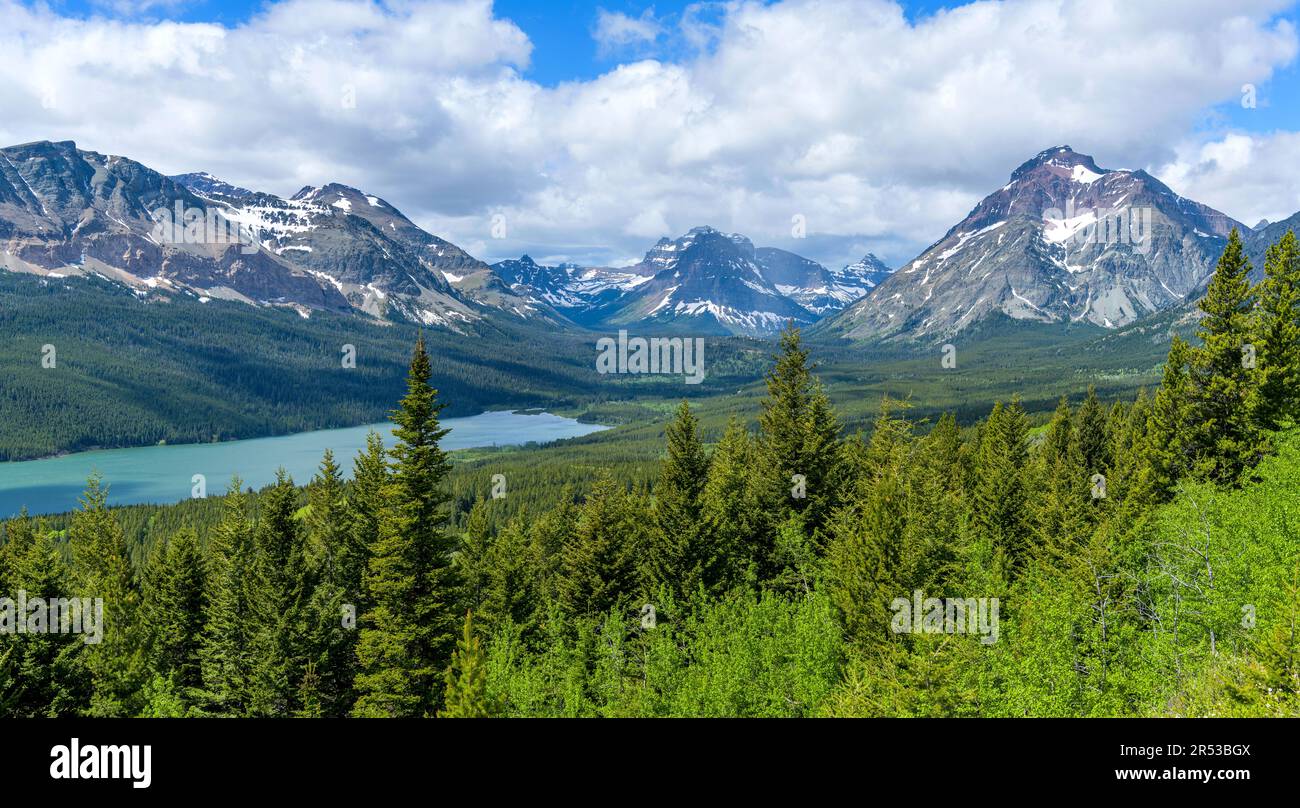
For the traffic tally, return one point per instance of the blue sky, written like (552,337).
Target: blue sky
(560,30)
(881,129)
(564,49)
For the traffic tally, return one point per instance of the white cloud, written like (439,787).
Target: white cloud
(876,129)
(616,30)
(1251,177)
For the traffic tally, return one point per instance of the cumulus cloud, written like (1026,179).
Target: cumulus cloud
(876,129)
(615,30)
(1253,177)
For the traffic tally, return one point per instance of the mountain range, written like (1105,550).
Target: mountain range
(66,211)
(1063,241)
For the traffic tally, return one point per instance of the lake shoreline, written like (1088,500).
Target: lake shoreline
(168,473)
(583,418)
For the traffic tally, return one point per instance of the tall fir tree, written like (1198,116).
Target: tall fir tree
(800,449)
(224,654)
(472,556)
(281,588)
(864,567)
(173,614)
(1092,435)
(45,672)
(1169,447)
(599,564)
(1277,334)
(366,500)
(999,513)
(681,556)
(1227,440)
(328,521)
(405,638)
(729,507)
(102,570)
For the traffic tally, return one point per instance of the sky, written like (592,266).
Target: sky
(591,128)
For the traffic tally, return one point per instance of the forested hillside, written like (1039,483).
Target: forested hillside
(130,372)
(1133,557)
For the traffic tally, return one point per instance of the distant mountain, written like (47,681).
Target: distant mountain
(710,282)
(706,281)
(65,211)
(864,275)
(582,294)
(1063,241)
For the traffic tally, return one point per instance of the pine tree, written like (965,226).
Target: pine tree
(173,613)
(864,559)
(366,502)
(729,508)
(1169,447)
(510,596)
(18,537)
(330,618)
(999,513)
(329,520)
(1062,519)
(103,571)
(935,507)
(46,672)
(1128,447)
(472,557)
(800,451)
(598,568)
(1092,435)
(548,537)
(280,590)
(224,653)
(1277,332)
(404,642)
(1227,441)
(681,556)
(466,695)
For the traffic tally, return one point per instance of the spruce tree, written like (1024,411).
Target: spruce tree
(864,559)
(510,595)
(1092,435)
(729,508)
(405,640)
(999,507)
(224,653)
(1222,383)
(365,504)
(1063,480)
(599,564)
(1169,447)
(18,537)
(47,676)
(173,613)
(472,557)
(329,519)
(1277,332)
(800,453)
(681,556)
(103,571)
(280,590)
(466,694)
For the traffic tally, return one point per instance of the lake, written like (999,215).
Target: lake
(162,474)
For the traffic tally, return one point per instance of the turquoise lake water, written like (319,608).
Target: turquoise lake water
(161,474)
